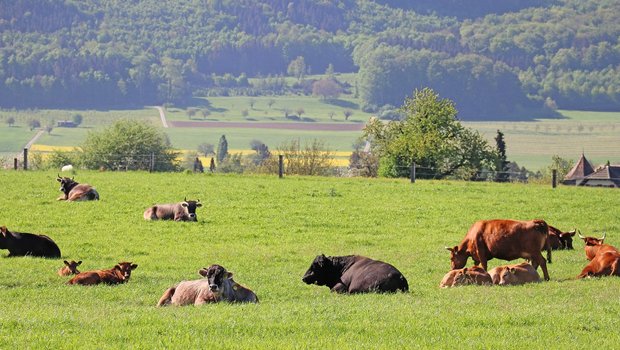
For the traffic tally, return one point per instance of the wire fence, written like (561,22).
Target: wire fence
(278,165)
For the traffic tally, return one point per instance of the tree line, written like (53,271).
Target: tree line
(495,59)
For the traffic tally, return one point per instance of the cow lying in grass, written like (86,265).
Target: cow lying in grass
(116,275)
(514,274)
(354,274)
(70,268)
(466,276)
(183,211)
(74,191)
(22,244)
(217,285)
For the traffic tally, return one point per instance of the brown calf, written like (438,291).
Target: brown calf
(604,264)
(466,276)
(118,274)
(514,274)
(70,268)
(503,239)
(74,191)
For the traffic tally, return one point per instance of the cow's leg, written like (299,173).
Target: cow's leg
(167,297)
(539,260)
(340,288)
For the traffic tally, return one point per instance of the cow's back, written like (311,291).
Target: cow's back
(511,239)
(161,212)
(367,275)
(187,292)
(35,245)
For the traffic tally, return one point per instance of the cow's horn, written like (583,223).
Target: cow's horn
(185,200)
(573,231)
(604,234)
(580,236)
(59,176)
(448,248)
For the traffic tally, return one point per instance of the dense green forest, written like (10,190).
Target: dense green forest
(495,59)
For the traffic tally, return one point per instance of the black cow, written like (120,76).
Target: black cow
(355,274)
(22,244)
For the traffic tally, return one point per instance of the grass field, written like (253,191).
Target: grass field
(267,231)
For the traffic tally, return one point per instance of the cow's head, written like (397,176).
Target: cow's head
(217,276)
(591,241)
(458,259)
(566,238)
(321,272)
(190,208)
(462,278)
(72,266)
(125,269)
(5,235)
(508,276)
(66,184)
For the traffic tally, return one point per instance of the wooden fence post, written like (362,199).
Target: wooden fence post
(15,163)
(152,165)
(412,173)
(280,166)
(554,178)
(25,158)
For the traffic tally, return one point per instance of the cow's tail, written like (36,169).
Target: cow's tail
(167,297)
(615,268)
(404,286)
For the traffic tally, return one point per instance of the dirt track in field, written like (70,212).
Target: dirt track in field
(284,126)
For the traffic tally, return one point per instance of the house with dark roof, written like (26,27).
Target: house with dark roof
(606,176)
(580,171)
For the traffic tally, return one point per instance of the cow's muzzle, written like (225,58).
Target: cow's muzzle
(192,217)
(213,287)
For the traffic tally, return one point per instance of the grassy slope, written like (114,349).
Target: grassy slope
(267,231)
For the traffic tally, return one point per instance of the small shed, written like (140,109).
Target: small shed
(579,172)
(607,176)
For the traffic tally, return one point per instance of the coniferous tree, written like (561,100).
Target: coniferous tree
(502,164)
(222,149)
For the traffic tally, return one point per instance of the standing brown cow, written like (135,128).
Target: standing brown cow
(503,239)
(74,191)
(183,211)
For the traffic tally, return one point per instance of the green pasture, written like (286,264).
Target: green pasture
(267,231)
(530,144)
(315,109)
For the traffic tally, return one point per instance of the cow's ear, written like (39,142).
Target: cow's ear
(59,179)
(66,262)
(203,272)
(199,204)
(79,263)
(134,266)
(117,267)
(184,204)
(229,275)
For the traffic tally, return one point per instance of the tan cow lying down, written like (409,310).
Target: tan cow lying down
(70,268)
(75,191)
(217,286)
(466,276)
(116,275)
(182,211)
(514,274)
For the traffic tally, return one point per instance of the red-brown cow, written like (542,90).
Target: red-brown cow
(514,274)
(466,276)
(70,268)
(604,264)
(595,245)
(503,239)
(118,274)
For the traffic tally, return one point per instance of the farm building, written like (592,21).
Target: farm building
(579,172)
(606,176)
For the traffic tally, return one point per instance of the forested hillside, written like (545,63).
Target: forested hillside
(495,59)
